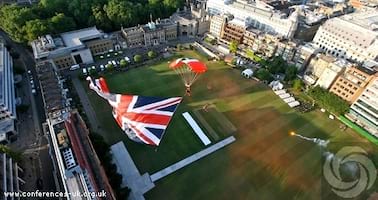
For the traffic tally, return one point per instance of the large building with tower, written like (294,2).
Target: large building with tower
(258,14)
(151,34)
(8,113)
(352,36)
(70,48)
(364,111)
(350,84)
(10,176)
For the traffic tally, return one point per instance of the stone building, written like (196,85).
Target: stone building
(153,33)
(70,48)
(352,83)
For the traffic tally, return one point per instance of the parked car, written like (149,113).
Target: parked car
(114,63)
(29,72)
(85,71)
(32,84)
(102,68)
(93,67)
(74,67)
(34,91)
(127,59)
(108,55)
(111,50)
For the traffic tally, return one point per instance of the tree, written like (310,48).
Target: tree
(264,74)
(22,108)
(137,58)
(179,47)
(62,23)
(172,5)
(276,65)
(233,47)
(109,67)
(93,72)
(101,19)
(123,63)
(81,11)
(53,6)
(35,28)
(13,154)
(18,69)
(297,84)
(328,100)
(291,73)
(13,19)
(151,54)
(119,12)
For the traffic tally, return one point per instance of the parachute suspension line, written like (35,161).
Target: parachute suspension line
(194,78)
(180,71)
(188,74)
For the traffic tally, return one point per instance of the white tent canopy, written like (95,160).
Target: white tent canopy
(294,104)
(285,95)
(276,85)
(289,100)
(247,73)
(278,92)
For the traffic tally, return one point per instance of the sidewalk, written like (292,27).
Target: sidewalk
(95,126)
(189,160)
(131,178)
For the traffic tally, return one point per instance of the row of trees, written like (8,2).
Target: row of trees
(123,63)
(103,152)
(56,16)
(275,65)
(328,100)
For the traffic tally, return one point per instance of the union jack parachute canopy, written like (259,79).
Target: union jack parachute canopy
(143,119)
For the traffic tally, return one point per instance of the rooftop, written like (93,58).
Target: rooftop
(75,38)
(367,18)
(46,45)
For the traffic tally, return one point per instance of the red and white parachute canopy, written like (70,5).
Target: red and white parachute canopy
(189,69)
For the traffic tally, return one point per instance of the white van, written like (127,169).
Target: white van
(74,67)
(85,71)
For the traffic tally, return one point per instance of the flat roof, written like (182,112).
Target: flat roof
(2,52)
(74,38)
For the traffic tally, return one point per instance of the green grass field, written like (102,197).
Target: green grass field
(263,163)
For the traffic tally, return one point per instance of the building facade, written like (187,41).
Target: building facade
(153,33)
(331,72)
(286,49)
(192,21)
(233,31)
(10,176)
(76,166)
(74,47)
(303,55)
(217,24)
(352,36)
(8,115)
(350,84)
(364,111)
(257,14)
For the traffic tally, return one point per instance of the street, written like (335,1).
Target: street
(36,160)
